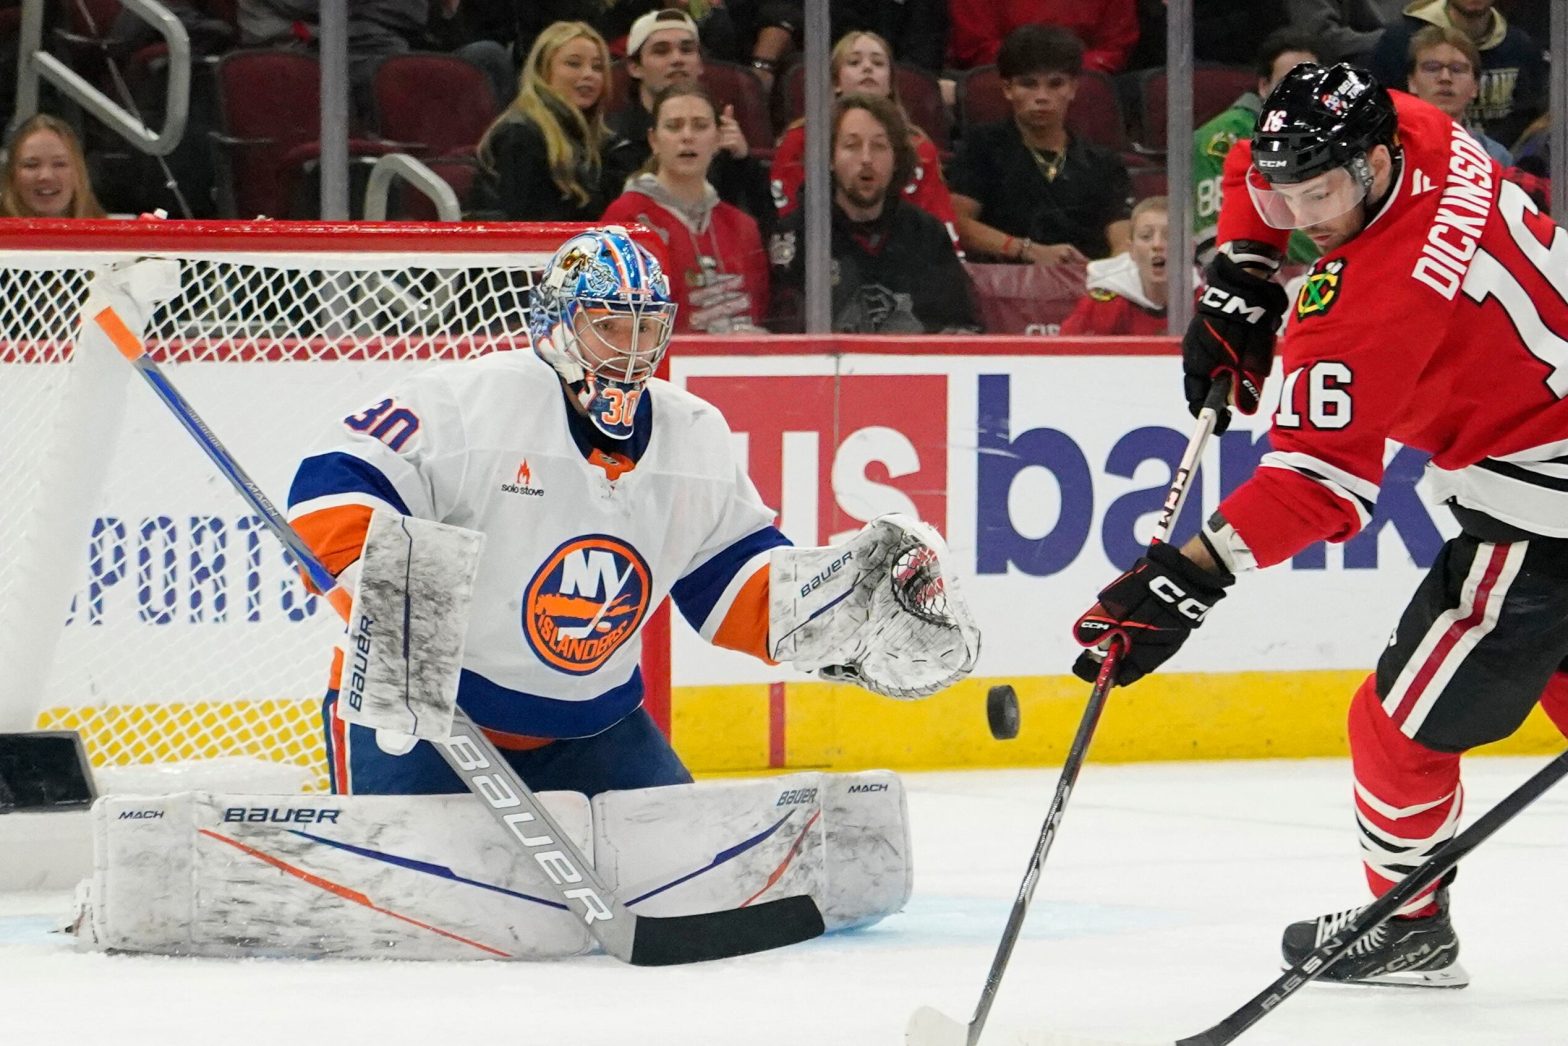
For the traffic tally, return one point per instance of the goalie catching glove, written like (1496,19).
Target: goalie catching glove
(882,611)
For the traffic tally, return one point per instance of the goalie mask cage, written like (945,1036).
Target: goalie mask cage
(141,602)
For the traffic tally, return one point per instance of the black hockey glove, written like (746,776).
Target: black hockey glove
(1152,608)
(1232,332)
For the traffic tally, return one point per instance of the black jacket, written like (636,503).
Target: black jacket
(517,185)
(898,274)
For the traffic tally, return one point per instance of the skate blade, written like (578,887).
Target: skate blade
(1455,976)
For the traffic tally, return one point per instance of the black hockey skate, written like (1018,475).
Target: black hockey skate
(1418,953)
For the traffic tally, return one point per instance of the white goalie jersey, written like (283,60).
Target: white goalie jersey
(581,543)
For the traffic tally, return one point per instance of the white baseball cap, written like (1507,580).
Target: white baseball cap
(652,22)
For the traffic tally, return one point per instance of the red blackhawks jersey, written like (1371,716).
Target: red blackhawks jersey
(1114,302)
(1443,326)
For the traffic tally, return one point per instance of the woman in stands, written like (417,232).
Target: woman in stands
(46,174)
(862,63)
(712,250)
(1127,293)
(549,157)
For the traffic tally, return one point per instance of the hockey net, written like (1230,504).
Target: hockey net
(141,602)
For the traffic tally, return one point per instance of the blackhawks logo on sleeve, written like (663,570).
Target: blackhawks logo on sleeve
(1320,290)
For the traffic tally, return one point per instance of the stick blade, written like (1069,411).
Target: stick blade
(673,940)
(932,1027)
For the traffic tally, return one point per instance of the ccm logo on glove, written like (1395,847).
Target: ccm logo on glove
(1150,611)
(1232,305)
(1185,605)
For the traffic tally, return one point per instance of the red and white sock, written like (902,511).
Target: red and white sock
(1408,798)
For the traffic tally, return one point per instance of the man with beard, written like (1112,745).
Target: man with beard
(894,267)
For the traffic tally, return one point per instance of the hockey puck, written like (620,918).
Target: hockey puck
(1001,711)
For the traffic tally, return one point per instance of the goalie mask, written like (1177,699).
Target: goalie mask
(602,317)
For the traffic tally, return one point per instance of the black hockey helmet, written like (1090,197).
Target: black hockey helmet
(1318,118)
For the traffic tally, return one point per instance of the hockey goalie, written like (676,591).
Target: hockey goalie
(533,507)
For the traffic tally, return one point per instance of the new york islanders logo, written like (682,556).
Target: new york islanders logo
(586,599)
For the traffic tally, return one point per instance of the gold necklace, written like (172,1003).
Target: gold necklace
(1049,168)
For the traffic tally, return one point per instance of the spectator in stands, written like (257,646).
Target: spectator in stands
(715,27)
(769,31)
(1512,90)
(1279,54)
(376,28)
(1223,31)
(1345,30)
(1025,189)
(1108,28)
(862,63)
(712,250)
(46,174)
(518,23)
(1533,150)
(663,49)
(1533,16)
(1445,69)
(1127,294)
(915,30)
(549,156)
(895,270)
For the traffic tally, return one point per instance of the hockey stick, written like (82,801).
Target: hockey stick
(930,1027)
(1367,920)
(640,940)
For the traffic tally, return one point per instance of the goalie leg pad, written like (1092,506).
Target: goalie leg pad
(405,877)
(404,653)
(842,839)
(883,610)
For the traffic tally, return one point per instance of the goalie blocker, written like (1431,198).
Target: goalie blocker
(414,877)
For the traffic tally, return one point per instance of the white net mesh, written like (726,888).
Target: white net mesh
(141,603)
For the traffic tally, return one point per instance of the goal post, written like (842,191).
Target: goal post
(141,603)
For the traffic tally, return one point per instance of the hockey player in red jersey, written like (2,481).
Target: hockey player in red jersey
(1436,317)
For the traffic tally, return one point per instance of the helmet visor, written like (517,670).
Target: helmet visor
(623,343)
(1297,205)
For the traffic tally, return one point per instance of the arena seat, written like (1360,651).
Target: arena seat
(269,113)
(1025,299)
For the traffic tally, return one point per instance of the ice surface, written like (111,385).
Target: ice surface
(1159,912)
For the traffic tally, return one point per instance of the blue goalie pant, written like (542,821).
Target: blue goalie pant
(631,754)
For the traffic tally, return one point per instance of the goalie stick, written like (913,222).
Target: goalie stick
(640,940)
(931,1027)
(1331,950)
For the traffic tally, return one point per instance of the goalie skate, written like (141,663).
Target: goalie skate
(1418,953)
